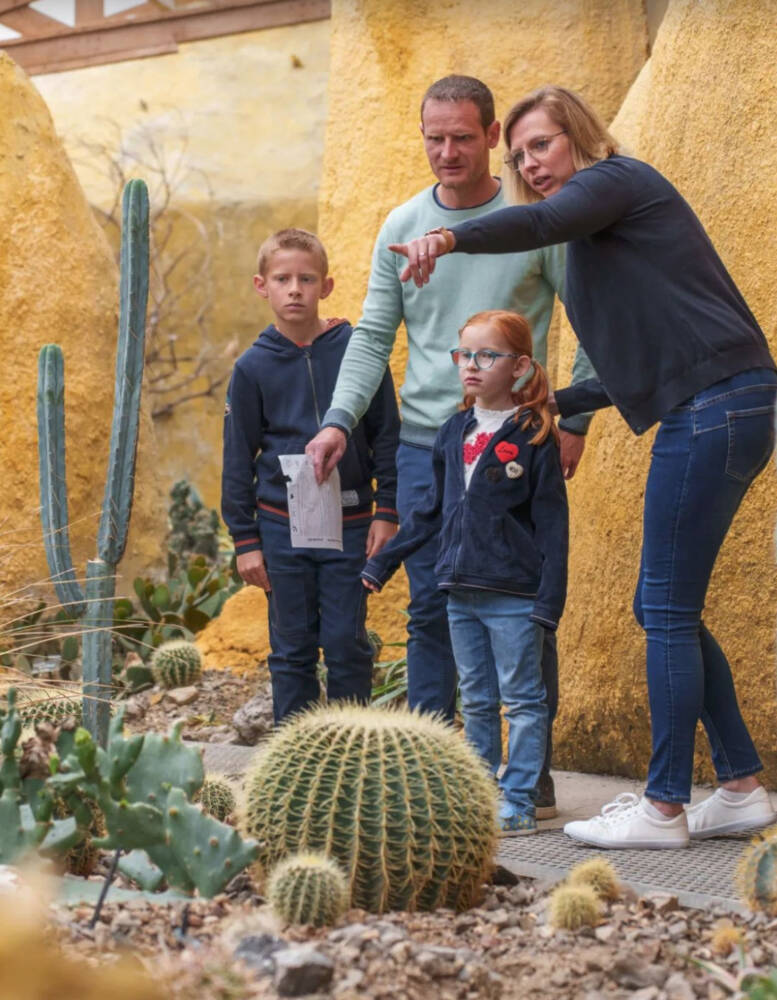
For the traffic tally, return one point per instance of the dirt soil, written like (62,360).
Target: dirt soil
(503,950)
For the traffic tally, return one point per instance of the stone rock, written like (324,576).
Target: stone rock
(182,696)
(254,719)
(257,951)
(677,987)
(302,970)
(633,973)
(47,228)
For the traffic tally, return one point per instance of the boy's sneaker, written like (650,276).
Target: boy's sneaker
(631,822)
(730,812)
(545,798)
(514,823)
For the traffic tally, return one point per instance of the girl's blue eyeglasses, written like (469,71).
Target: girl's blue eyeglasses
(483,359)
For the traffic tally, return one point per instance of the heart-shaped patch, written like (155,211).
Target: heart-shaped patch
(506,451)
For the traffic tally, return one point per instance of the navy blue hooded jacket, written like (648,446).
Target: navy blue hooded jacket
(276,398)
(502,533)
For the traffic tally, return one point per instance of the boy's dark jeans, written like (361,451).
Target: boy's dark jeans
(317,600)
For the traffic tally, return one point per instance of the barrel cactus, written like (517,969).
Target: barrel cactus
(176,664)
(571,907)
(757,873)
(36,704)
(399,799)
(600,875)
(308,889)
(217,798)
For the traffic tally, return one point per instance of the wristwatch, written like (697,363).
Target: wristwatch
(447,235)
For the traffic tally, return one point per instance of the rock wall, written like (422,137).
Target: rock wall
(716,144)
(239,121)
(383,57)
(58,283)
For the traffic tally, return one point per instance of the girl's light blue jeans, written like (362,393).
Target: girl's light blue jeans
(706,453)
(498,652)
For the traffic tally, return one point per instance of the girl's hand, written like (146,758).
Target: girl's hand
(371,586)
(422,254)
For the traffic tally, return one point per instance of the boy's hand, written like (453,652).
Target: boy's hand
(571,451)
(326,449)
(380,532)
(250,566)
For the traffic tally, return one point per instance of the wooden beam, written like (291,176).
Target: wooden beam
(88,11)
(6,5)
(110,41)
(30,23)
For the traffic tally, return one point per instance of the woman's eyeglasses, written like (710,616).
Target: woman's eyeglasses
(483,359)
(538,149)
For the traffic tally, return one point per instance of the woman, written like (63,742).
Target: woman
(673,342)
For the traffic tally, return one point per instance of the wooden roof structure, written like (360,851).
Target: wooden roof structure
(46,36)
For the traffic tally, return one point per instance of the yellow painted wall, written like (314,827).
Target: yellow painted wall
(703,112)
(242,115)
(58,284)
(383,57)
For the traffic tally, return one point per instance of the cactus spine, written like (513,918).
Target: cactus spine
(176,663)
(96,606)
(400,800)
(308,889)
(757,873)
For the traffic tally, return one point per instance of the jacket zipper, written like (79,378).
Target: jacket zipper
(309,361)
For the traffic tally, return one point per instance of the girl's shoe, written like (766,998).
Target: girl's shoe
(724,813)
(516,824)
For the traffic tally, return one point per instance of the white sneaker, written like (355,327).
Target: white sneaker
(719,815)
(625,822)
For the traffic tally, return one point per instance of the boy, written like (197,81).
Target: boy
(279,390)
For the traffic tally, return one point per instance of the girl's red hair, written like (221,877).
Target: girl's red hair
(514,329)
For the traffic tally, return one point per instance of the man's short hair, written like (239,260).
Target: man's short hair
(291,239)
(463,88)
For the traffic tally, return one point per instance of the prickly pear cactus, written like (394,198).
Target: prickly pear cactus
(308,889)
(177,663)
(757,873)
(217,798)
(400,800)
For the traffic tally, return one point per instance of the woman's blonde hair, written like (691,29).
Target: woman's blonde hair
(514,329)
(589,138)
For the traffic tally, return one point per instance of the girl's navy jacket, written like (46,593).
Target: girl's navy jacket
(508,532)
(276,398)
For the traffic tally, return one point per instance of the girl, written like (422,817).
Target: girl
(674,343)
(499,508)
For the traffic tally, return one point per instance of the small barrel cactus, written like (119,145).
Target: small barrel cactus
(54,704)
(574,906)
(308,889)
(177,663)
(757,873)
(217,798)
(399,799)
(600,875)
(375,642)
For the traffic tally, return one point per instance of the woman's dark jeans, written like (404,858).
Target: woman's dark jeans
(706,453)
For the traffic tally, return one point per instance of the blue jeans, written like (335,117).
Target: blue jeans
(706,453)
(431,669)
(498,650)
(317,600)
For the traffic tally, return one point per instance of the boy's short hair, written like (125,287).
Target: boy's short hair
(463,88)
(291,239)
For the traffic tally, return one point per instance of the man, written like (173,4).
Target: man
(459,129)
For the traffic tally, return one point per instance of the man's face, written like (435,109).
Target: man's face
(456,143)
(294,285)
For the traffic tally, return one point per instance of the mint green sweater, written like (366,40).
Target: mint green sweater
(433,315)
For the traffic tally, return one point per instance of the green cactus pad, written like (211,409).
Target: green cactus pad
(757,873)
(399,800)
(308,889)
(177,663)
(217,798)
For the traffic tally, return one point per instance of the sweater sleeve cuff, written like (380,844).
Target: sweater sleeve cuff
(576,425)
(386,514)
(341,419)
(542,617)
(247,543)
(373,580)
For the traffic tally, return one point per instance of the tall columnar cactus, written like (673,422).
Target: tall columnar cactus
(399,800)
(95,607)
(757,873)
(308,889)
(176,663)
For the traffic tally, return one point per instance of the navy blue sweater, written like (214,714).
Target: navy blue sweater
(650,300)
(276,398)
(504,534)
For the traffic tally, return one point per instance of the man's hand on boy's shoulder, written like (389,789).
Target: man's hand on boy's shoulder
(250,566)
(380,532)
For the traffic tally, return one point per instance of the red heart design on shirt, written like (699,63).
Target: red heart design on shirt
(506,451)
